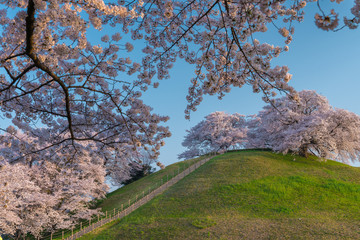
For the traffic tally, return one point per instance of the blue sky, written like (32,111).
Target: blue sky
(327,62)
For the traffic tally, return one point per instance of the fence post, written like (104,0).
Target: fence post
(72,232)
(129,202)
(51,235)
(80,226)
(62,235)
(122,206)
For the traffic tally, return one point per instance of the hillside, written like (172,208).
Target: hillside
(252,195)
(122,195)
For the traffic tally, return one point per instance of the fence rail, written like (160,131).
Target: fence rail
(90,225)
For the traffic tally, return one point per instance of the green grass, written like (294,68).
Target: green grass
(122,195)
(250,195)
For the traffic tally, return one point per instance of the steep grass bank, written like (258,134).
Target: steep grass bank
(251,195)
(122,195)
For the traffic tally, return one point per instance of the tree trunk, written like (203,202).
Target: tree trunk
(303,151)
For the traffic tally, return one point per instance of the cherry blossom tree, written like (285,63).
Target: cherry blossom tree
(46,198)
(309,125)
(88,90)
(43,195)
(136,166)
(219,132)
(57,78)
(218,38)
(56,186)
(71,107)
(16,190)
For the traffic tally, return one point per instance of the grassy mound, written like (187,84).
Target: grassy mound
(122,195)
(251,195)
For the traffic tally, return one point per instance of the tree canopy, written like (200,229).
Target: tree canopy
(309,125)
(218,133)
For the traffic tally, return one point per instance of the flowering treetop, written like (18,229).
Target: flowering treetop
(56,76)
(219,132)
(309,125)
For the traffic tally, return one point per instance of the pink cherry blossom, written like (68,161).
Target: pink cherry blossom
(219,132)
(307,126)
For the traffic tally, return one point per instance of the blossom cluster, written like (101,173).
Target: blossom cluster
(63,90)
(307,126)
(331,22)
(218,133)
(44,195)
(217,37)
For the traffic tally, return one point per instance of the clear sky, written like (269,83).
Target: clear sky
(327,62)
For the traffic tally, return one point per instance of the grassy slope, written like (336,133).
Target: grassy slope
(122,195)
(252,195)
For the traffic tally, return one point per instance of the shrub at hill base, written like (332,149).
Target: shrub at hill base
(138,171)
